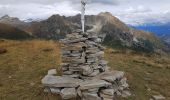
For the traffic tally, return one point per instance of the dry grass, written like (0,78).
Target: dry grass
(23,66)
(26,62)
(147,74)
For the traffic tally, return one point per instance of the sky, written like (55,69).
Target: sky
(133,12)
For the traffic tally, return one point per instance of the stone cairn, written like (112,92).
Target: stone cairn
(85,74)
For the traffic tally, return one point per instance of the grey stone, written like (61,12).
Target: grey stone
(98,40)
(95,55)
(90,96)
(101,53)
(106,96)
(97,67)
(95,72)
(110,76)
(58,81)
(67,72)
(95,83)
(126,94)
(65,52)
(74,36)
(52,90)
(86,70)
(68,93)
(64,64)
(90,43)
(103,62)
(92,50)
(75,54)
(158,97)
(74,46)
(118,93)
(101,47)
(72,75)
(108,92)
(74,40)
(64,69)
(78,68)
(73,60)
(106,99)
(95,90)
(91,60)
(52,72)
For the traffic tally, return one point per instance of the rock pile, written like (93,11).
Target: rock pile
(85,73)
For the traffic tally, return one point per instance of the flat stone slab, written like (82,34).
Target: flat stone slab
(74,36)
(74,46)
(52,90)
(95,83)
(74,40)
(58,81)
(110,76)
(68,93)
(52,72)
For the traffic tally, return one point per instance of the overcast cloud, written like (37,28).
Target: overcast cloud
(130,11)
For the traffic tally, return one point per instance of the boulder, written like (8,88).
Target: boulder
(68,93)
(58,81)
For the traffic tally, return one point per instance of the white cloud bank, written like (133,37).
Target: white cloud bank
(132,12)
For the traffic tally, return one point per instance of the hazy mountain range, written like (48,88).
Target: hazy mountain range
(116,33)
(160,29)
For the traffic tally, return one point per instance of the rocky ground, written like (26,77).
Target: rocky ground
(27,62)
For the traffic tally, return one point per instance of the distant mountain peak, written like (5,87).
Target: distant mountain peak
(105,14)
(5,16)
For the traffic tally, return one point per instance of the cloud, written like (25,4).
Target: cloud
(130,11)
(57,1)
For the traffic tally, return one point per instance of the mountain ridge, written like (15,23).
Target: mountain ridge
(10,32)
(115,32)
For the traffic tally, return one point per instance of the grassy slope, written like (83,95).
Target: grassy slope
(10,32)
(26,62)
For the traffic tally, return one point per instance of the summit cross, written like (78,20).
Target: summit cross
(83,4)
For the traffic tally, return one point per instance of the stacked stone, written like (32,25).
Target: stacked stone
(82,56)
(85,73)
